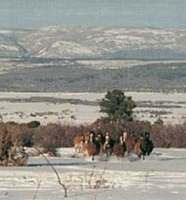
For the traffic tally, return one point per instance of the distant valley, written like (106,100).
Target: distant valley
(79,59)
(63,75)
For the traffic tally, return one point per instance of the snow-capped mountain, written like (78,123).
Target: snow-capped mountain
(10,43)
(97,42)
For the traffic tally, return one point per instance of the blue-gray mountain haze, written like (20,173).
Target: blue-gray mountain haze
(166,14)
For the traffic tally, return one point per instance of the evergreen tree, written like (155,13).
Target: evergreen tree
(117,106)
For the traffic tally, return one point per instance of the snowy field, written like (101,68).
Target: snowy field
(162,176)
(15,106)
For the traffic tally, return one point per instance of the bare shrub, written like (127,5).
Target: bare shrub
(49,137)
(53,136)
(169,135)
(11,145)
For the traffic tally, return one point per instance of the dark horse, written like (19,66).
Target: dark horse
(145,144)
(108,145)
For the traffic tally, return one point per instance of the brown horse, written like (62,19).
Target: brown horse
(137,148)
(78,143)
(89,146)
(85,143)
(120,147)
(130,141)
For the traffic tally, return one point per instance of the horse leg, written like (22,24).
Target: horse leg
(107,154)
(101,150)
(76,150)
(128,153)
(5,162)
(139,155)
(79,149)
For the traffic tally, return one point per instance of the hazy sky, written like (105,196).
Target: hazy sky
(169,14)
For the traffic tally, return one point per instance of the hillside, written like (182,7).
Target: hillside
(98,42)
(76,59)
(88,76)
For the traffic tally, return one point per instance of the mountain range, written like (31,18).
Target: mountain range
(95,42)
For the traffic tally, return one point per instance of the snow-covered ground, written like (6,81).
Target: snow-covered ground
(162,176)
(115,64)
(173,104)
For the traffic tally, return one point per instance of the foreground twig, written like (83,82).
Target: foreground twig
(37,189)
(100,181)
(55,171)
(91,176)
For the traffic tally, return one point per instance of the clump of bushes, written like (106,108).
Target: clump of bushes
(52,136)
(10,139)
(169,135)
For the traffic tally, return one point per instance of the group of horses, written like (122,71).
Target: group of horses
(91,144)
